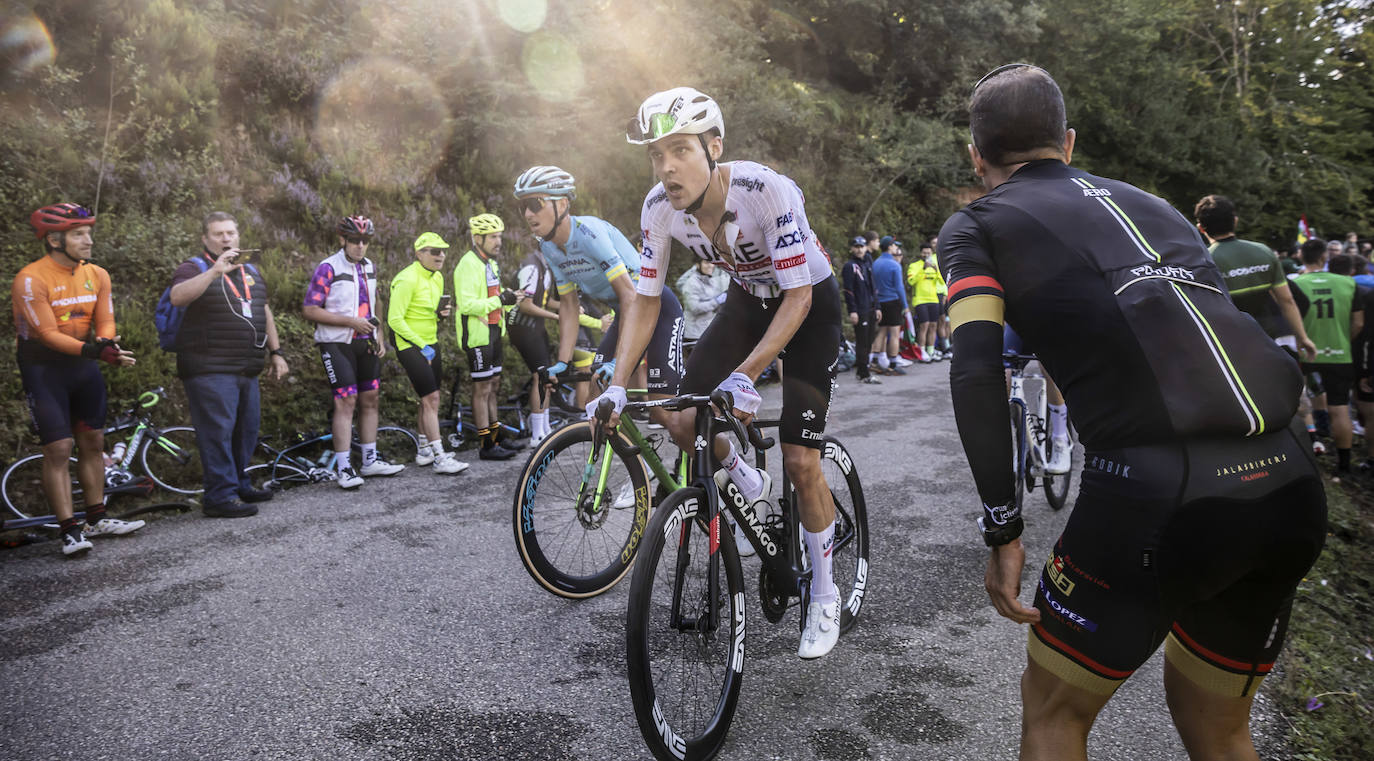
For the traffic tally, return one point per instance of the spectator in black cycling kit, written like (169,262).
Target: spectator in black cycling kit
(1200,508)
(861,300)
(64,321)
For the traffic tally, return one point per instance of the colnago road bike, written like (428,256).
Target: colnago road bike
(685,626)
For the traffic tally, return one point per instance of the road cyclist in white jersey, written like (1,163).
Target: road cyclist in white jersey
(784,299)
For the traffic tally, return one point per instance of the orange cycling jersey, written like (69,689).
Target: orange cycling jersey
(55,307)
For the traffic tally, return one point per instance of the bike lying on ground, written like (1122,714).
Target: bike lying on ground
(685,627)
(168,456)
(310,460)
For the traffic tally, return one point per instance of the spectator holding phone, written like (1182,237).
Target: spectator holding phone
(417,303)
(225,336)
(342,302)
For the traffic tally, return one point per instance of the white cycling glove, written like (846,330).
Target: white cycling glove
(615,394)
(747,399)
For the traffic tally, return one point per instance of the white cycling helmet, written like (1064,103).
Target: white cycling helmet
(545,179)
(681,110)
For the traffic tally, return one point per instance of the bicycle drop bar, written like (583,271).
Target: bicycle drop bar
(748,435)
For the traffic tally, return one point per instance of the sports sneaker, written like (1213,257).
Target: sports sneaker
(112,527)
(1061,461)
(927,357)
(496,452)
(1356,428)
(869,379)
(447,463)
(822,630)
(424,456)
(75,543)
(904,362)
(348,478)
(1318,448)
(896,371)
(742,544)
(380,467)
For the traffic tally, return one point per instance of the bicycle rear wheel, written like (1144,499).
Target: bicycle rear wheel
(394,444)
(171,458)
(1057,487)
(276,475)
(849,556)
(574,543)
(685,650)
(22,487)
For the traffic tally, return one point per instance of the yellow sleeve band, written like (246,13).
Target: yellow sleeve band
(983,307)
(615,272)
(565,288)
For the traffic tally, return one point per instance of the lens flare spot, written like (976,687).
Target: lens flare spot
(25,45)
(523,15)
(382,123)
(552,66)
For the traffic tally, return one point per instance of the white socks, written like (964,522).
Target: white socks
(341,460)
(539,424)
(1059,421)
(819,546)
(748,480)
(369,453)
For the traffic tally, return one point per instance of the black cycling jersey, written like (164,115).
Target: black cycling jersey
(1116,291)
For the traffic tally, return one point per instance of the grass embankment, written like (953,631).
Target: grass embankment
(1326,690)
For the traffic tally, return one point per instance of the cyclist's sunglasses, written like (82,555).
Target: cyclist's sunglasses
(532,205)
(358,241)
(1000,69)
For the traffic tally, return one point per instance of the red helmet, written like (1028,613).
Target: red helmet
(356,226)
(60,217)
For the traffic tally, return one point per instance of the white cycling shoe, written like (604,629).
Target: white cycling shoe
(822,630)
(1061,461)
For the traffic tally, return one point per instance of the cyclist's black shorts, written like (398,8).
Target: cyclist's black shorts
(351,367)
(1336,380)
(809,359)
(892,313)
(532,343)
(928,312)
(484,362)
(63,395)
(1203,541)
(664,353)
(425,375)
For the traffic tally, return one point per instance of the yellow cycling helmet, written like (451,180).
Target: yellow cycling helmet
(486,224)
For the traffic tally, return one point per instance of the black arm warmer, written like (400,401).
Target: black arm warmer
(978,387)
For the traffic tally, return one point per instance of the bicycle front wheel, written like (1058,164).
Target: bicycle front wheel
(171,458)
(22,487)
(684,633)
(849,563)
(275,475)
(577,534)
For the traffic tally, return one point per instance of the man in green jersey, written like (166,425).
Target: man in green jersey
(417,302)
(1333,316)
(1253,275)
(481,326)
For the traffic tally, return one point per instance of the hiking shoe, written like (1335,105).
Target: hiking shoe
(231,509)
(348,478)
(447,463)
(75,543)
(496,452)
(822,629)
(112,527)
(424,456)
(380,467)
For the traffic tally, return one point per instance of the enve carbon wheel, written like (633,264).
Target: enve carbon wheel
(572,544)
(22,487)
(685,664)
(170,457)
(850,553)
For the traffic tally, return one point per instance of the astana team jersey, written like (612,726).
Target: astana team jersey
(596,254)
(770,241)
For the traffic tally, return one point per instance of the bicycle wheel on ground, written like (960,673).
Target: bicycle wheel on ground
(276,475)
(394,444)
(171,458)
(22,487)
(1057,487)
(576,539)
(684,633)
(850,549)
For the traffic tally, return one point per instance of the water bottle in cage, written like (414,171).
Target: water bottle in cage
(118,454)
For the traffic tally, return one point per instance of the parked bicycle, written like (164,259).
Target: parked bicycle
(685,627)
(166,455)
(1031,434)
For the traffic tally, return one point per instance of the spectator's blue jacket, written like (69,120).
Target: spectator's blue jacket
(888,280)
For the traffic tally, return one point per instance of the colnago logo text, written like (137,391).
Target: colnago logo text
(751,517)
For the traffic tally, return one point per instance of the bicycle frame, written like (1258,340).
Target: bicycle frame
(1033,418)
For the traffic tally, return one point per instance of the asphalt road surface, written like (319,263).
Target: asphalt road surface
(396,622)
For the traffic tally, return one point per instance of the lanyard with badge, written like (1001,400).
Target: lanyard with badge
(245,298)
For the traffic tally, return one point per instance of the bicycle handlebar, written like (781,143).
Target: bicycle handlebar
(723,400)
